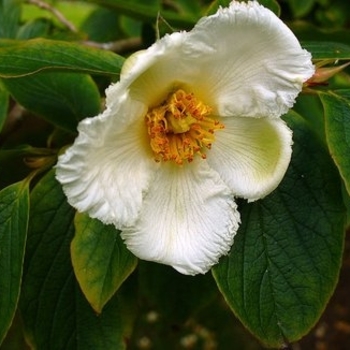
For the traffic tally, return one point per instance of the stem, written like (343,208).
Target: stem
(118,46)
(61,18)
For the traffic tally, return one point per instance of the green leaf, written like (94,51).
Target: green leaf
(61,98)
(326,50)
(310,108)
(284,264)
(10,12)
(169,301)
(173,295)
(13,162)
(337,126)
(301,8)
(214,6)
(270,4)
(147,13)
(14,210)
(306,31)
(55,313)
(4,102)
(37,28)
(14,339)
(20,58)
(100,260)
(273,5)
(102,25)
(185,7)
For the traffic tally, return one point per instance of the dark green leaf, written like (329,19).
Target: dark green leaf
(102,25)
(55,313)
(169,302)
(337,126)
(215,324)
(306,31)
(13,162)
(270,4)
(322,50)
(61,98)
(112,328)
(36,28)
(285,261)
(19,58)
(14,210)
(4,99)
(301,8)
(164,289)
(310,108)
(15,339)
(10,12)
(147,13)
(100,260)
(214,6)
(185,7)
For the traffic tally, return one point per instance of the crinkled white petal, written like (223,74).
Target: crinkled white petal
(153,73)
(109,166)
(256,66)
(242,61)
(188,219)
(252,155)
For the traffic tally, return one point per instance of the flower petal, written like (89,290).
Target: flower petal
(151,74)
(256,66)
(108,167)
(252,155)
(188,219)
(242,61)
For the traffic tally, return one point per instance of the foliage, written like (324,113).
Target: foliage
(68,282)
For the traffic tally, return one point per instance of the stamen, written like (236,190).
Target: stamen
(180,128)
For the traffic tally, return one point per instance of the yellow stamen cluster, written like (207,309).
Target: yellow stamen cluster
(180,127)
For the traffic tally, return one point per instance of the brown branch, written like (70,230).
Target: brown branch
(61,18)
(119,46)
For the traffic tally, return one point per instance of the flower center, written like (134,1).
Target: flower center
(180,127)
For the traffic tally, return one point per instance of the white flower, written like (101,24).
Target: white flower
(192,123)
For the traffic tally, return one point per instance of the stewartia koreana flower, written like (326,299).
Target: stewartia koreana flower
(192,123)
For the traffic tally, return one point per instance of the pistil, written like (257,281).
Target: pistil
(180,128)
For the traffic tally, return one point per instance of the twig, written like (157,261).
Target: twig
(61,18)
(118,46)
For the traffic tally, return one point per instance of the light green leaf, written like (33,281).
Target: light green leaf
(14,210)
(326,50)
(4,101)
(55,313)
(20,58)
(337,126)
(100,260)
(285,261)
(61,98)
